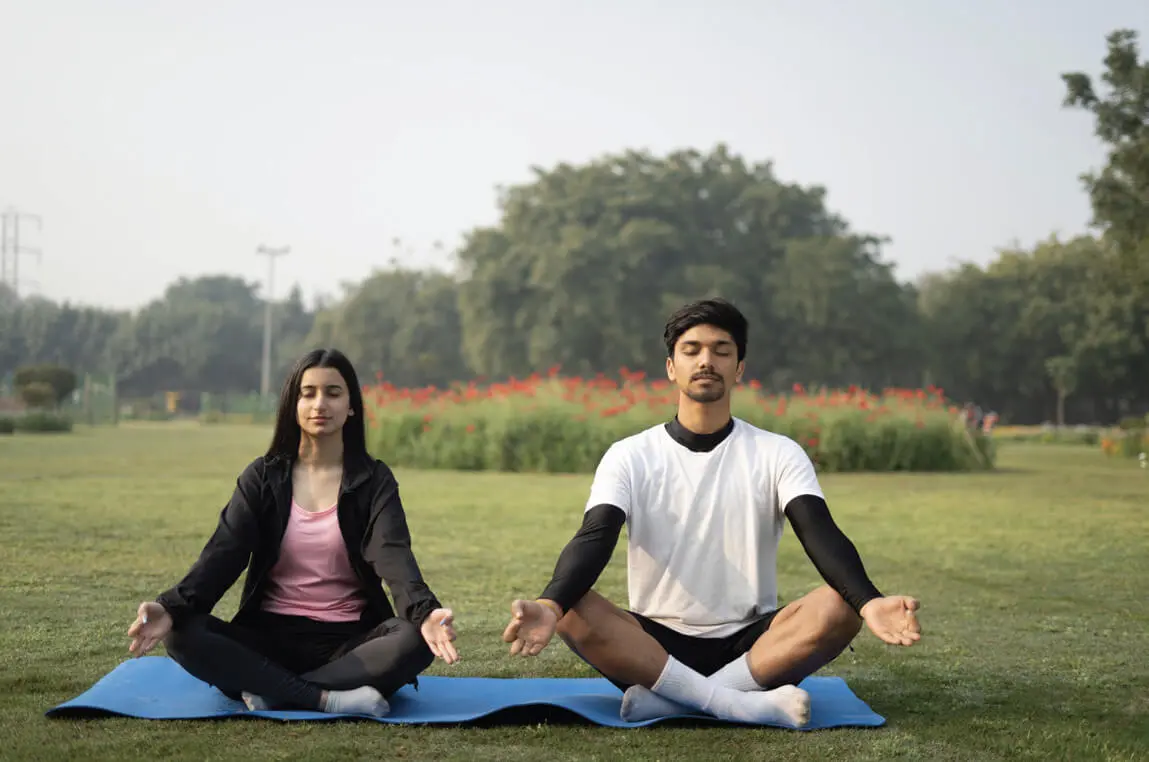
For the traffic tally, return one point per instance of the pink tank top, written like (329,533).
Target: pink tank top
(313,576)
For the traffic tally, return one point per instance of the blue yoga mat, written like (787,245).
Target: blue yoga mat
(156,688)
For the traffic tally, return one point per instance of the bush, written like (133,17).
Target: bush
(1125,443)
(210,417)
(62,381)
(38,394)
(1133,423)
(1049,434)
(7,424)
(565,425)
(44,422)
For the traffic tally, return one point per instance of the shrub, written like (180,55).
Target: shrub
(1049,434)
(1125,443)
(7,424)
(210,417)
(62,381)
(1133,423)
(38,394)
(44,422)
(565,425)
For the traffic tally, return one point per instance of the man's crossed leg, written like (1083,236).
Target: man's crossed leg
(750,676)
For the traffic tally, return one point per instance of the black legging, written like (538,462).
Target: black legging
(289,661)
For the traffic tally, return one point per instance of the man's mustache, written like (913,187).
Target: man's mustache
(710,376)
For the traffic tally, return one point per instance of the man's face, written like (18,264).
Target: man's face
(705,364)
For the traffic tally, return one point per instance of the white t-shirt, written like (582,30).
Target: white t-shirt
(703,527)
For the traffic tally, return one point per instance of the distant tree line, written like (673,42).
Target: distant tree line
(587,261)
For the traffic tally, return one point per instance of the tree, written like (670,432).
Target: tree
(38,395)
(293,322)
(993,330)
(587,262)
(1063,373)
(8,298)
(399,322)
(1119,193)
(59,382)
(204,334)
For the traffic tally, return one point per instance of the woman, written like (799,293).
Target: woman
(322,524)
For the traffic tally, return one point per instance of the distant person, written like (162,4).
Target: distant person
(704,498)
(323,525)
(972,414)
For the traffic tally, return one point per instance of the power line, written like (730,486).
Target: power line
(265,374)
(10,248)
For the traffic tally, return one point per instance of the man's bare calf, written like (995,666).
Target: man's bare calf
(805,636)
(613,642)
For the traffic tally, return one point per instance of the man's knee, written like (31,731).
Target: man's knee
(582,622)
(836,619)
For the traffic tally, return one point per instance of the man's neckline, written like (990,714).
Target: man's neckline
(697,442)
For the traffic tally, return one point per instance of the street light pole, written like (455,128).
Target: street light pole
(265,374)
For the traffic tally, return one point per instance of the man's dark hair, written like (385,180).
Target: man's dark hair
(716,312)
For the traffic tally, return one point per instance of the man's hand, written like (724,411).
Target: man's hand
(892,619)
(439,631)
(531,627)
(153,623)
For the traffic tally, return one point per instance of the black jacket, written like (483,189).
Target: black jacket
(251,528)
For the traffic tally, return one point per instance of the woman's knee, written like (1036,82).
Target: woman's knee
(408,640)
(415,646)
(187,636)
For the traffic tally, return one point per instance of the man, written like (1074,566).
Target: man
(704,498)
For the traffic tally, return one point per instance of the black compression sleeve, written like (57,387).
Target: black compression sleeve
(834,556)
(585,556)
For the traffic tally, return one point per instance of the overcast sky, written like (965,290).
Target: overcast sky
(160,139)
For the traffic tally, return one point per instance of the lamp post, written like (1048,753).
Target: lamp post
(265,374)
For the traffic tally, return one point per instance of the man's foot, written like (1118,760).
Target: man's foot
(640,704)
(254,703)
(787,705)
(362,700)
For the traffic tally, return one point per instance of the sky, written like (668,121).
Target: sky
(158,140)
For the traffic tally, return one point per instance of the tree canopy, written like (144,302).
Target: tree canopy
(586,261)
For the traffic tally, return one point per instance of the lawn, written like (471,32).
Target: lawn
(1032,582)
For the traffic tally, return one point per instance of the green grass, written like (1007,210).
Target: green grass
(1032,582)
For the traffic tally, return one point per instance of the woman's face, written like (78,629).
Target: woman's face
(324,402)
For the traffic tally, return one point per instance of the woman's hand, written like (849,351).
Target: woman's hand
(439,632)
(153,623)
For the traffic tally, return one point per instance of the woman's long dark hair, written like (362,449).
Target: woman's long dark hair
(285,440)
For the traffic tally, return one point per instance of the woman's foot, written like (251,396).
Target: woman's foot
(362,700)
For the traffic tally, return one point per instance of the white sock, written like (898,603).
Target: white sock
(640,704)
(787,705)
(736,675)
(362,700)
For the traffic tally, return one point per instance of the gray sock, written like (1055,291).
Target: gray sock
(362,700)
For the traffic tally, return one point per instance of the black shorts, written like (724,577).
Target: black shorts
(704,655)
